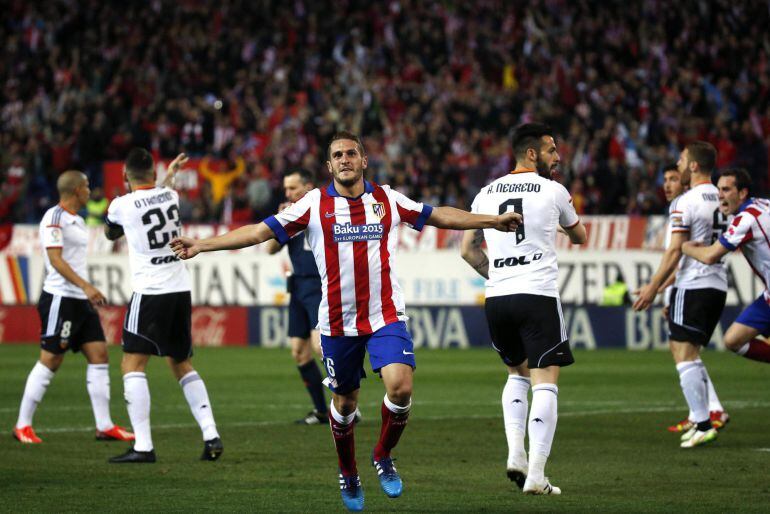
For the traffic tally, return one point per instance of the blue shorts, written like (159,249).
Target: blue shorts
(303,305)
(756,315)
(343,356)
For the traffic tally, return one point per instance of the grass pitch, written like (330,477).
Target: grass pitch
(612,452)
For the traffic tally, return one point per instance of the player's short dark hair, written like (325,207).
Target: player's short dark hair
(704,154)
(344,134)
(528,136)
(304,175)
(139,164)
(742,177)
(670,167)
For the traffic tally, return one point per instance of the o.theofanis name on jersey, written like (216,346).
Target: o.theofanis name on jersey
(153,200)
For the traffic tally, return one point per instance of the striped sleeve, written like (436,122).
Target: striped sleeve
(739,232)
(414,214)
(292,220)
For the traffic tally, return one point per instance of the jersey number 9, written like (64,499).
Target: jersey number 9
(518,207)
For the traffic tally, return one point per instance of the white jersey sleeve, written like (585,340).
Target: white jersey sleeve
(114,215)
(51,236)
(568,217)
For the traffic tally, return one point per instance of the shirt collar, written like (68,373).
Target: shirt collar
(745,204)
(331,191)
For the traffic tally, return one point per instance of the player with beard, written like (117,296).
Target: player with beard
(748,231)
(674,185)
(351,227)
(522,297)
(700,290)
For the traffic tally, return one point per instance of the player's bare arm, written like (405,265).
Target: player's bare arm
(472,252)
(173,168)
(449,217)
(576,233)
(705,254)
(60,265)
(668,263)
(249,235)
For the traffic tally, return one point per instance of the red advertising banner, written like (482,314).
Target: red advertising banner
(189,179)
(211,326)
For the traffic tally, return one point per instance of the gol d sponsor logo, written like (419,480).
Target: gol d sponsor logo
(164,259)
(345,232)
(522,260)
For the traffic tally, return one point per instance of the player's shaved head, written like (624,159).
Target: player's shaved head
(139,165)
(69,181)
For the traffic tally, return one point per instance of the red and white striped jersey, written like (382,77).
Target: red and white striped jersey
(353,241)
(750,231)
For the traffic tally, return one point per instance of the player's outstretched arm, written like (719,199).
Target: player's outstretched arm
(472,252)
(249,235)
(668,263)
(449,217)
(705,254)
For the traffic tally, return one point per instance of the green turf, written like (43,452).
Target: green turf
(611,453)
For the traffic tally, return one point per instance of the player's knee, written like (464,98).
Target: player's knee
(733,343)
(52,362)
(400,394)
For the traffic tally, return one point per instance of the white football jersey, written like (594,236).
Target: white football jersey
(150,219)
(60,228)
(525,261)
(696,213)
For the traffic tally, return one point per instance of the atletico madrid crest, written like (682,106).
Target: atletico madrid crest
(379,209)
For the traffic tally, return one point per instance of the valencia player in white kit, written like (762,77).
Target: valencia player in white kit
(522,297)
(67,315)
(700,290)
(158,318)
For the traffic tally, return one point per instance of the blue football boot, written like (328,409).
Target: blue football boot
(389,479)
(352,493)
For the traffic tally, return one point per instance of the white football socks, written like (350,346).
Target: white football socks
(542,426)
(714,403)
(198,399)
(515,407)
(98,385)
(693,383)
(37,383)
(137,394)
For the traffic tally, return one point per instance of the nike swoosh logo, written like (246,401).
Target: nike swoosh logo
(408,353)
(330,214)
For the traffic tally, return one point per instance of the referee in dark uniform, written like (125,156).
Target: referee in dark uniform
(304,286)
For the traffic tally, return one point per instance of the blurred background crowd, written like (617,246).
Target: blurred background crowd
(433,86)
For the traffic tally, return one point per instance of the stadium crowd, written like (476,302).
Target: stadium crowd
(434,88)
